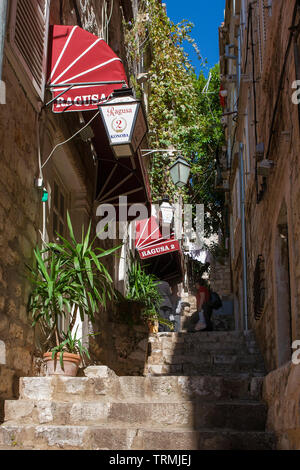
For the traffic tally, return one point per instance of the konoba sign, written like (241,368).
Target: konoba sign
(119,121)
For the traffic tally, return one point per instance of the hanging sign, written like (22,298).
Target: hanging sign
(159,249)
(119,120)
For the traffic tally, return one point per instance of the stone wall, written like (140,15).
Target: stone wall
(220,277)
(121,347)
(282,185)
(19,222)
(283,188)
(20,202)
(281,392)
(220,282)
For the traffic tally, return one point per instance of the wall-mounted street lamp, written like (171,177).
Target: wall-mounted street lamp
(125,122)
(180,172)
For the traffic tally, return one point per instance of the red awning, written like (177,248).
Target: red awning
(77,56)
(163,255)
(150,242)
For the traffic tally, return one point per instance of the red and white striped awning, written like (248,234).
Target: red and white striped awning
(79,57)
(150,242)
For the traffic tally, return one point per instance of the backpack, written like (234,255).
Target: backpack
(215,301)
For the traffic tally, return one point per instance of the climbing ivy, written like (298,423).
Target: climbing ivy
(180,115)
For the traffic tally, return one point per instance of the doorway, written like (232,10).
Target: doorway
(283,289)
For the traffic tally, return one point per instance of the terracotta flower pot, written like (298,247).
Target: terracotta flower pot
(71,364)
(153,326)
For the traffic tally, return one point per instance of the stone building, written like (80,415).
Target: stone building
(28,133)
(259,57)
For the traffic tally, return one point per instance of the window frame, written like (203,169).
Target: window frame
(57,210)
(38,90)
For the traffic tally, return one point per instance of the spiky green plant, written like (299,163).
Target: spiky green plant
(142,287)
(71,345)
(69,277)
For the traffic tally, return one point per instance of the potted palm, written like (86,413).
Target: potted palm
(68,280)
(142,288)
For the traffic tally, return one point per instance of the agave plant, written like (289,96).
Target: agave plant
(69,277)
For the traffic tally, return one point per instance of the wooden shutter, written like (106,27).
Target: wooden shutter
(28,38)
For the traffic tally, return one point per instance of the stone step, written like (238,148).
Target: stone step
(238,415)
(144,389)
(214,369)
(199,347)
(215,340)
(126,438)
(209,358)
(215,336)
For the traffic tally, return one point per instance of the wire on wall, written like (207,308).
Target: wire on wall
(68,140)
(105,19)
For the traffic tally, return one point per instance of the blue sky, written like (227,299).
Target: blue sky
(207,15)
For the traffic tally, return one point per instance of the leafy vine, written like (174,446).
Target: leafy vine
(180,115)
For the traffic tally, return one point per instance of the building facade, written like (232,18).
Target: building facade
(29,132)
(259,57)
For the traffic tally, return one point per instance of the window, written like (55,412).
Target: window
(236,199)
(28,36)
(265,10)
(58,211)
(246,153)
(232,238)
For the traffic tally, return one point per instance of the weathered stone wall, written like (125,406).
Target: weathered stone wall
(19,222)
(220,282)
(281,392)
(283,184)
(220,277)
(278,204)
(120,346)
(20,202)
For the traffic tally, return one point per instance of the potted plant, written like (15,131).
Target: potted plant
(142,288)
(65,358)
(68,280)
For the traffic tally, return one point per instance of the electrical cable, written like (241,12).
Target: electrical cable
(247,46)
(68,140)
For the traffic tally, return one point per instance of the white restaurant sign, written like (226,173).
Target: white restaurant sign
(119,120)
(125,124)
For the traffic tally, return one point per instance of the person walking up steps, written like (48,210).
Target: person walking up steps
(166,305)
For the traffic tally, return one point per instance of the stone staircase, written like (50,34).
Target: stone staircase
(204,353)
(200,391)
(137,413)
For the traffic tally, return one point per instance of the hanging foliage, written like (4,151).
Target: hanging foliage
(180,115)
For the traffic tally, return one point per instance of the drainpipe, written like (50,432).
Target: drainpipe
(242,197)
(243,214)
(244,245)
(239,62)
(3,12)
